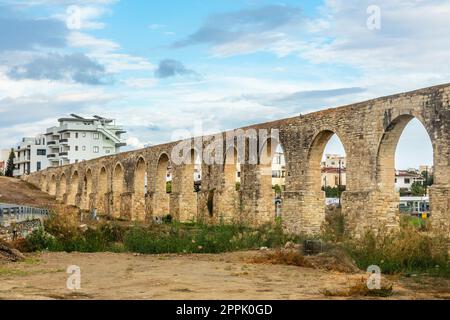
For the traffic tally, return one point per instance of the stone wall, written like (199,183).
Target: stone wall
(22,229)
(368,130)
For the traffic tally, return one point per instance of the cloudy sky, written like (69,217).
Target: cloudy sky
(162,68)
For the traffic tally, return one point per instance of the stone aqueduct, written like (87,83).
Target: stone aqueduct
(369,132)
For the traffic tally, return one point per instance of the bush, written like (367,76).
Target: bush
(334,227)
(407,250)
(39,240)
(202,239)
(171,237)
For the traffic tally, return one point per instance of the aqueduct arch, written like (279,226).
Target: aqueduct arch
(62,190)
(73,189)
(140,190)
(117,190)
(102,189)
(313,212)
(87,190)
(368,130)
(161,199)
(52,185)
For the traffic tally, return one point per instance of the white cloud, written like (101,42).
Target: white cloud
(411,49)
(82,40)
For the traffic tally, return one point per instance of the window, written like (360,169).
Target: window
(41,152)
(96,136)
(84,148)
(107,151)
(76,148)
(38,166)
(96,150)
(407,180)
(76,135)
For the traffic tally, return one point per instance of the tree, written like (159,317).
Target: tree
(417,189)
(10,164)
(277,189)
(428,178)
(331,192)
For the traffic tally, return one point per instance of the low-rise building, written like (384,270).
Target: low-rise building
(279,169)
(333,177)
(334,161)
(404,179)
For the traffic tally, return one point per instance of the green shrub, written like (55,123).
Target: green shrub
(196,238)
(39,240)
(171,237)
(407,250)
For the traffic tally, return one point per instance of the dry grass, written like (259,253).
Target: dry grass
(360,288)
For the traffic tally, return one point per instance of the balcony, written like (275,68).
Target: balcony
(20,160)
(63,154)
(64,141)
(52,143)
(52,155)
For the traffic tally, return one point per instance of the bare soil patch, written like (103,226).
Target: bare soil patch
(194,276)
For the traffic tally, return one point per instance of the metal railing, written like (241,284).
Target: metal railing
(10,213)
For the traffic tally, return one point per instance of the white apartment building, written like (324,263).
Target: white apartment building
(79,139)
(31,156)
(75,139)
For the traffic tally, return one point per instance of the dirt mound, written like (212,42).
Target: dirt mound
(335,259)
(7,253)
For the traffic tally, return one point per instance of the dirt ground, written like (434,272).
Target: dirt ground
(16,191)
(223,276)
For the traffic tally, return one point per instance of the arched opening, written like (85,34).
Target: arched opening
(52,186)
(102,189)
(87,189)
(62,187)
(71,199)
(118,184)
(197,171)
(333,171)
(140,189)
(326,178)
(163,187)
(405,168)
(272,169)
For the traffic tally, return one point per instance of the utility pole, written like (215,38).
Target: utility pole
(340,182)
